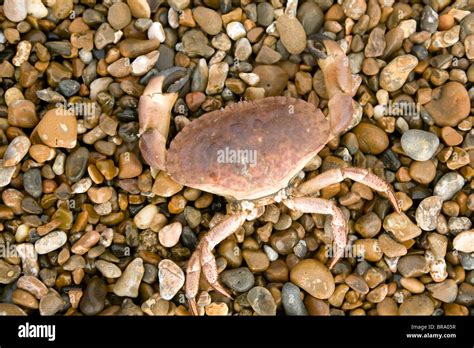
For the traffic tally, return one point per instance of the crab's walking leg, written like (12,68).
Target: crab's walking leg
(203,258)
(361,175)
(324,206)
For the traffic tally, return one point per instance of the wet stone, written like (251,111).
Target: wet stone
(76,164)
(52,241)
(8,273)
(313,277)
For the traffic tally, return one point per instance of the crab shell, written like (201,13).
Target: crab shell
(276,138)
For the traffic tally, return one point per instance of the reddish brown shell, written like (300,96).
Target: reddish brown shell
(279,135)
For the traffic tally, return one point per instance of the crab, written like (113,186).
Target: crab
(280,134)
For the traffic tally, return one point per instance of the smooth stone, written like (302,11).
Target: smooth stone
(449,105)
(448,185)
(170,234)
(235,30)
(139,8)
(401,227)
(58,128)
(16,150)
(76,164)
(195,44)
(217,76)
(22,113)
(264,14)
(417,305)
(93,300)
(15,10)
(372,139)
(446,291)
(132,48)
(464,241)
(291,299)
(32,182)
(104,36)
(311,17)
(119,15)
(272,78)
(51,303)
(238,279)
(427,213)
(52,241)
(208,19)
(10,309)
(313,277)
(395,74)
(68,88)
(128,283)
(262,301)
(144,218)
(8,273)
(170,279)
(292,34)
(108,269)
(419,145)
(156,32)
(413,266)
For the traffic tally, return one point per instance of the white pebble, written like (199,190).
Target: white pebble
(272,254)
(236,30)
(36,9)
(144,217)
(143,64)
(156,31)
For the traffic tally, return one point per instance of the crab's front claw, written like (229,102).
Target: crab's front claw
(154,115)
(337,74)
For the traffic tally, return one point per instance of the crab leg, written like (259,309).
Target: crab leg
(154,110)
(324,206)
(361,175)
(203,258)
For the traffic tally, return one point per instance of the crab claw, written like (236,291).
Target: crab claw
(337,74)
(154,115)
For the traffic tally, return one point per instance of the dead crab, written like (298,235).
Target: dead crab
(283,133)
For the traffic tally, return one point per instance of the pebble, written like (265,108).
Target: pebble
(272,78)
(16,150)
(22,113)
(238,279)
(446,291)
(119,15)
(86,242)
(51,303)
(429,19)
(235,30)
(93,300)
(372,139)
(58,128)
(262,301)
(104,36)
(291,299)
(208,19)
(464,241)
(257,260)
(11,309)
(401,227)
(76,164)
(179,5)
(36,9)
(15,10)
(311,17)
(449,105)
(395,74)
(292,33)
(68,88)
(32,285)
(128,283)
(170,234)
(427,213)
(368,225)
(108,269)
(32,182)
(145,216)
(156,32)
(417,305)
(412,266)
(313,277)
(217,76)
(139,8)
(195,44)
(170,278)
(419,145)
(448,185)
(143,64)
(8,273)
(52,241)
